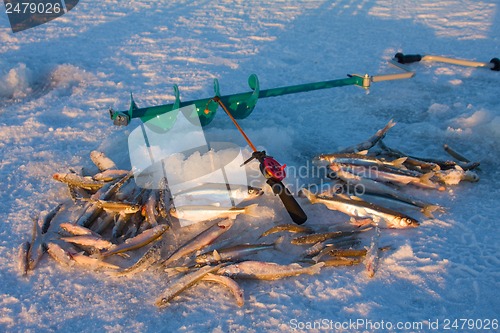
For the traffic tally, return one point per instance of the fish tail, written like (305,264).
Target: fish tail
(252,210)
(430,209)
(426,178)
(389,125)
(309,195)
(315,269)
(399,163)
(381,133)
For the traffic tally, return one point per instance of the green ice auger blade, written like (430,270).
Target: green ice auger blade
(240,105)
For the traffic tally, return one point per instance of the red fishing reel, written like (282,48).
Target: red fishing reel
(270,168)
(273,171)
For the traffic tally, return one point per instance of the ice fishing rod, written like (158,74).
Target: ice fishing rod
(494,63)
(271,169)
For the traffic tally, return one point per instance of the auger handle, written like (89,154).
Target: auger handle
(291,205)
(494,63)
(408,58)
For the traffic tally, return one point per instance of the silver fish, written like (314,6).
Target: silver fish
(208,212)
(203,239)
(79,181)
(340,261)
(380,134)
(358,208)
(360,159)
(389,175)
(36,249)
(118,207)
(89,240)
(91,262)
(149,209)
(234,252)
(182,284)
(410,163)
(138,241)
(59,254)
(23,258)
(320,237)
(372,187)
(314,249)
(68,256)
(76,230)
(215,190)
(425,162)
(453,153)
(293,228)
(260,270)
(110,175)
(332,251)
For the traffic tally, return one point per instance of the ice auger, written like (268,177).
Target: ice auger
(241,105)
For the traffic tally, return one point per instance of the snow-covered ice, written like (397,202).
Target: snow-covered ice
(58,80)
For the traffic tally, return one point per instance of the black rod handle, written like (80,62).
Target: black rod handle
(495,64)
(291,205)
(408,58)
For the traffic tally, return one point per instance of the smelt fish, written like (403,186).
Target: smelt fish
(203,239)
(292,228)
(23,257)
(79,181)
(260,270)
(182,284)
(138,241)
(359,208)
(89,240)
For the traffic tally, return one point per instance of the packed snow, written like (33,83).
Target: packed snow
(58,80)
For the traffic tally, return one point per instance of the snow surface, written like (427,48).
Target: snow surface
(58,80)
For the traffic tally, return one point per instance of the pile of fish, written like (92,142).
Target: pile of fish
(112,226)
(373,169)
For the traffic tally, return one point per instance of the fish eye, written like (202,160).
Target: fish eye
(251,191)
(164,300)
